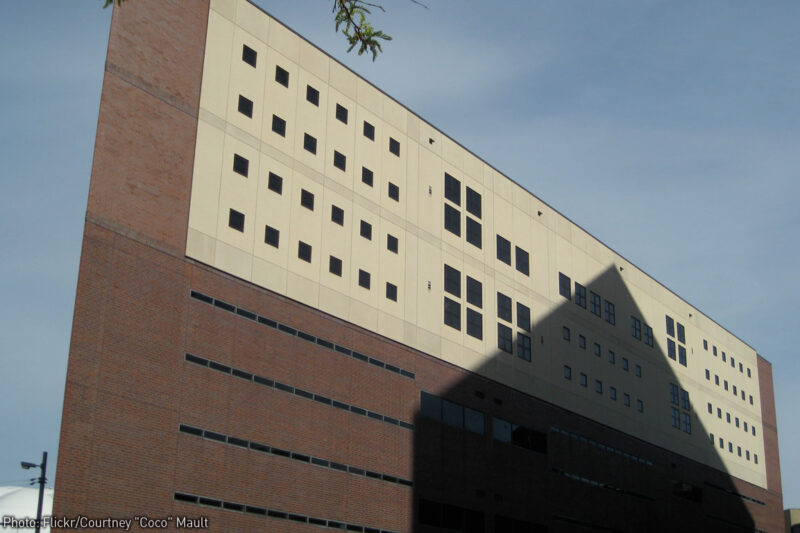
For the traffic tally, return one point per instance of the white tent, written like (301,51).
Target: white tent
(21,502)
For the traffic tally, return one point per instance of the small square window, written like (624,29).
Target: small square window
(452,189)
(504,250)
(452,313)
(474,234)
(522,259)
(245,106)
(335,266)
(366,230)
(241,165)
(337,215)
(363,279)
(523,317)
(279,125)
(503,307)
(474,292)
(565,333)
(391,291)
(249,55)
(339,160)
(567,372)
(307,199)
(275,183)
(504,338)
(236,220)
(312,95)
(392,243)
(281,76)
(523,347)
(584,380)
(369,131)
(310,143)
(394,146)
(271,236)
(452,281)
(304,251)
(473,202)
(452,220)
(474,324)
(564,286)
(394,192)
(341,113)
(366,176)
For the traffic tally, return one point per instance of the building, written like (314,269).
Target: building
(300,306)
(792,520)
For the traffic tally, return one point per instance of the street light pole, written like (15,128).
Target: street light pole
(42,479)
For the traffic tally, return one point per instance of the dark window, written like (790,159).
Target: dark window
(598,386)
(523,347)
(307,199)
(304,251)
(565,333)
(474,236)
(312,95)
(671,353)
(581,341)
(452,189)
(504,338)
(240,165)
(523,317)
(369,131)
(452,220)
(682,355)
(363,278)
(474,292)
(366,230)
(580,295)
(391,243)
(522,259)
(310,143)
(598,350)
(275,183)
(625,364)
(366,176)
(335,266)
(626,399)
(638,371)
(339,160)
(337,215)
(474,323)
(430,406)
(640,406)
(249,55)
(648,335)
(636,328)
(705,344)
(341,113)
(279,125)
(452,313)
(281,76)
(612,393)
(452,281)
(687,424)
(245,106)
(504,250)
(394,192)
(594,303)
(685,399)
(564,286)
(612,358)
(611,313)
(503,307)
(714,350)
(673,393)
(473,202)
(271,236)
(681,333)
(584,379)
(567,372)
(671,326)
(236,220)
(676,418)
(394,146)
(391,291)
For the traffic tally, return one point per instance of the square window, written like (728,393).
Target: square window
(337,215)
(366,176)
(240,165)
(522,260)
(567,372)
(309,143)
(523,347)
(394,146)
(275,183)
(580,295)
(473,202)
(249,55)
(394,192)
(582,342)
(366,230)
(363,278)
(504,250)
(391,291)
(565,333)
(281,76)
(307,199)
(339,160)
(452,220)
(611,313)
(564,286)
(245,106)
(369,131)
(312,95)
(474,323)
(503,307)
(452,313)
(474,233)
(452,281)
(304,251)
(504,338)
(391,243)
(335,266)
(279,125)
(341,113)
(236,220)
(594,303)
(584,380)
(452,189)
(271,236)
(523,317)
(474,292)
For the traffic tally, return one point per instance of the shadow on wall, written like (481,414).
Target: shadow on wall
(526,465)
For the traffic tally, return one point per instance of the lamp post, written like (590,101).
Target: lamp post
(42,479)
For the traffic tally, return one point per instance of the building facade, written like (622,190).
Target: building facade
(302,306)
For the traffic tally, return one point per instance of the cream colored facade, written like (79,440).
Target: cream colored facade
(554,244)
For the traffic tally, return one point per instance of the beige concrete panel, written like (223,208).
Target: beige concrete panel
(226,8)
(428,341)
(563,228)
(302,289)
(365,256)
(363,314)
(200,246)
(428,133)
(395,115)
(269,275)
(252,20)
(412,128)
(204,205)
(367,155)
(305,225)
(410,334)
(415,190)
(500,186)
(343,80)
(233,260)
(473,167)
(284,41)
(274,210)
(431,214)
(340,137)
(409,254)
(334,302)
(370,98)
(214,91)
(315,61)
(393,168)
(311,119)
(337,242)
(281,102)
(390,326)
(430,303)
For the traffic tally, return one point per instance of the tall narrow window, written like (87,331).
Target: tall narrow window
(337,215)
(366,230)
(523,347)
(452,313)
(452,189)
(364,279)
(504,250)
(474,292)
(523,317)
(503,307)
(504,338)
(611,313)
(474,324)
(307,199)
(473,203)
(452,220)
(366,176)
(580,295)
(391,243)
(474,236)
(394,192)
(452,281)
(391,291)
(335,266)
(564,288)
(522,259)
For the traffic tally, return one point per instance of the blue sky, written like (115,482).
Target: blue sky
(669,130)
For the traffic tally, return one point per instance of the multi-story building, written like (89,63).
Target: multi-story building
(300,305)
